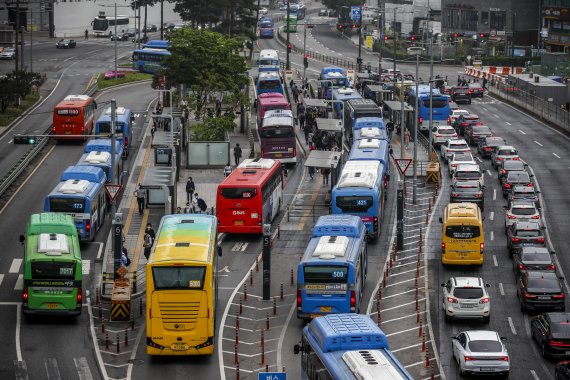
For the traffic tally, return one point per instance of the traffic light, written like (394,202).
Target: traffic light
(289,48)
(24,139)
(305,60)
(412,38)
(386,38)
(359,60)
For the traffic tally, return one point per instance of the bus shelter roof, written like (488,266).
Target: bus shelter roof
(395,105)
(164,139)
(156,176)
(377,88)
(332,125)
(315,103)
(323,159)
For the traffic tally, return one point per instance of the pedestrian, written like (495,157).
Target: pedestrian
(187,209)
(484,83)
(190,189)
(291,84)
(390,128)
(237,154)
(311,172)
(139,193)
(218,107)
(301,120)
(202,206)
(153,130)
(125,261)
(458,80)
(179,210)
(228,170)
(326,173)
(149,236)
(306,130)
(295,91)
(86,34)
(407,138)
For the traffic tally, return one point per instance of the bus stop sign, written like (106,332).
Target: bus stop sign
(272,376)
(403,164)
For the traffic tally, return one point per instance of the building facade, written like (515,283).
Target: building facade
(555,25)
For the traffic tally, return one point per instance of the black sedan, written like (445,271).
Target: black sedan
(468,191)
(65,44)
(526,193)
(524,234)
(487,144)
(533,258)
(551,331)
(474,133)
(151,28)
(508,166)
(562,370)
(540,290)
(516,178)
(120,37)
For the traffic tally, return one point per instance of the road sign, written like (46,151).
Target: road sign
(403,164)
(271,376)
(355,13)
(369,41)
(112,191)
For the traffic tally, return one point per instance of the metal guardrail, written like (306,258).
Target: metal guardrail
(307,211)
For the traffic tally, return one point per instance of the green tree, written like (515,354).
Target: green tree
(213,128)
(207,62)
(342,6)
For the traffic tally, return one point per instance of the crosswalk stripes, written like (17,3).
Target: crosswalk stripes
(52,368)
(15,267)
(19,282)
(82,369)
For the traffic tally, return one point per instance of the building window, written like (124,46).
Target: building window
(485,18)
(498,20)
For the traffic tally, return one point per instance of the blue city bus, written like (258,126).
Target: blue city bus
(269,81)
(371,150)
(347,347)
(266,27)
(124,118)
(370,133)
(297,10)
(334,76)
(149,60)
(332,272)
(87,173)
(157,44)
(102,159)
(340,97)
(84,200)
(268,60)
(355,109)
(440,103)
(360,191)
(102,145)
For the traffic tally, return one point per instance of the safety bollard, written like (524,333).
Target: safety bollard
(257,264)
(423,342)
(379,295)
(103,326)
(421,236)
(278,231)
(421,329)
(97,299)
(427,358)
(237,321)
(416,283)
(417,304)
(262,348)
(235,354)
(118,347)
(274,306)
(126,337)
(134,282)
(379,318)
(245,292)
(267,321)
(429,206)
(417,314)
(432,372)
(240,306)
(132,322)
(267,368)
(237,338)
(427,218)
(251,277)
(107,341)
(140,307)
(237,371)
(100,312)
(384,281)
(281,292)
(292,278)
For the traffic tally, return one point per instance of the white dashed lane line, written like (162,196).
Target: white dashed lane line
(492,215)
(495,261)
(538,143)
(523,132)
(506,122)
(555,155)
(501,289)
(512,325)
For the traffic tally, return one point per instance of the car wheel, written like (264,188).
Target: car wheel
(448,318)
(486,319)
(543,350)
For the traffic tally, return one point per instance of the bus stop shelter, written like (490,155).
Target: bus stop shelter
(377,93)
(166,146)
(325,159)
(319,105)
(393,110)
(160,185)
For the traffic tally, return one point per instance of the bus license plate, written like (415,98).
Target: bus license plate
(179,347)
(238,222)
(52,305)
(278,155)
(67,132)
(326,309)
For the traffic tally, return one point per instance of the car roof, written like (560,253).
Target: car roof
(542,274)
(526,225)
(517,173)
(532,249)
(468,281)
(483,335)
(558,317)
(502,147)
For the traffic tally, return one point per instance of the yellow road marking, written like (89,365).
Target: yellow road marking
(316,187)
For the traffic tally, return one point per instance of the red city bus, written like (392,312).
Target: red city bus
(74,116)
(270,101)
(250,196)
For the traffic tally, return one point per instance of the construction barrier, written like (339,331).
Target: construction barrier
(121,300)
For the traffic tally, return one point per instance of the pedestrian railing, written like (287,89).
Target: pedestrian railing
(297,211)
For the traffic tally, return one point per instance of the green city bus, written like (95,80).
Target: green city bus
(292,24)
(52,266)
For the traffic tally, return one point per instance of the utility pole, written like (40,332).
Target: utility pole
(402,114)
(112,178)
(116,38)
(288,63)
(359,60)
(162,19)
(513,37)
(394,58)
(431,82)
(31,43)
(381,34)
(304,51)
(415,161)
(17,32)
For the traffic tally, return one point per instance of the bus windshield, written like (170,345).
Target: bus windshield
(270,85)
(100,24)
(70,205)
(179,277)
(268,62)
(45,270)
(277,132)
(354,203)
(437,103)
(237,193)
(463,232)
(328,273)
(104,127)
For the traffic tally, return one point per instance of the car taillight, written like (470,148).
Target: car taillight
(481,248)
(443,248)
(478,195)
(375,222)
(530,185)
(79,295)
(295,152)
(535,217)
(487,148)
(529,296)
(452,300)
(299,299)
(523,267)
(421,120)
(551,267)
(515,240)
(87,225)
(539,240)
(504,359)
(557,343)
(500,158)
(469,358)
(507,185)
(437,135)
(558,296)
(485,300)
(503,171)
(515,158)
(262,152)
(464,124)
(126,142)
(454,194)
(448,120)
(511,216)
(25,295)
(352,300)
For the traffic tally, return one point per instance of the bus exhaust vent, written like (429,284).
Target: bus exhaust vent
(369,143)
(370,365)
(182,244)
(357,179)
(74,186)
(257,163)
(98,157)
(53,244)
(369,132)
(330,247)
(187,221)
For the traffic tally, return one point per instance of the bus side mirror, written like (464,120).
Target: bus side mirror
(255,103)
(440,220)
(95,104)
(219,250)
(296,349)
(22,239)
(391,151)
(387,177)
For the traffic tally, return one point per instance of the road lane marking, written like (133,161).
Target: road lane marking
(19,282)
(495,261)
(534,375)
(18,326)
(506,122)
(85,266)
(492,236)
(82,367)
(52,369)
(497,116)
(523,132)
(492,215)
(21,370)
(485,108)
(501,288)
(489,172)
(1,279)
(538,143)
(478,158)
(512,325)
(494,194)
(244,247)
(555,155)
(15,267)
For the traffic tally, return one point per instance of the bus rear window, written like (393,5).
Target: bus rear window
(44,270)
(237,193)
(463,232)
(178,277)
(269,84)
(68,112)
(436,103)
(277,132)
(104,127)
(354,203)
(70,205)
(328,273)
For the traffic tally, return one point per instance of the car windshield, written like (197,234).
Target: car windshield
(507,152)
(468,293)
(523,211)
(528,233)
(463,232)
(446,131)
(482,131)
(485,346)
(467,175)
(536,256)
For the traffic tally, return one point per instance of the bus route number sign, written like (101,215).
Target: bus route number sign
(272,376)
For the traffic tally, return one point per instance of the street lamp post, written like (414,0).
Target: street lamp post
(304,51)
(402,114)
(288,63)
(431,83)
(416,126)
(359,61)
(394,32)
(381,35)
(116,38)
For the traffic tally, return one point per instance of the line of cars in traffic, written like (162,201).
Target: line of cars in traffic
(539,286)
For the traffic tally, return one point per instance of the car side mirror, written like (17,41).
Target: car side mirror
(561,278)
(454,338)
(22,239)
(483,187)
(387,177)
(531,175)
(503,339)
(542,228)
(537,191)
(391,151)
(219,250)
(443,285)
(553,253)
(488,285)
(505,207)
(440,220)
(296,349)
(95,104)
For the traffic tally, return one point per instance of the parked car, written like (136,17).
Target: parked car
(540,290)
(466,297)
(474,133)
(475,89)
(521,234)
(65,44)
(8,53)
(120,37)
(503,153)
(532,258)
(487,145)
(468,191)
(461,95)
(520,211)
(551,331)
(524,193)
(480,352)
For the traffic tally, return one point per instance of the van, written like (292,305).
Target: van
(462,237)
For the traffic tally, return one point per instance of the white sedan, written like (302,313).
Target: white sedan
(481,352)
(460,158)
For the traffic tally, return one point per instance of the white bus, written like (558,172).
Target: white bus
(104,26)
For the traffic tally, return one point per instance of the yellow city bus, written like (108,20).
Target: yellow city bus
(462,237)
(182,287)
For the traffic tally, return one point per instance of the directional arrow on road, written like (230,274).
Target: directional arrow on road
(224,269)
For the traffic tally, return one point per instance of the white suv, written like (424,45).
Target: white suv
(481,352)
(442,133)
(468,172)
(466,297)
(449,147)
